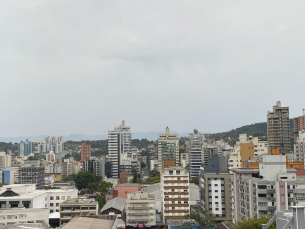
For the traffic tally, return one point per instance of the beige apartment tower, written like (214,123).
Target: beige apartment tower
(278,128)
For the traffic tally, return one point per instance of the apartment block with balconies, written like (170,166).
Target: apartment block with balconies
(140,209)
(77,207)
(175,193)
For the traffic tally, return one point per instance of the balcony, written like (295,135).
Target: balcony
(271,208)
(270,191)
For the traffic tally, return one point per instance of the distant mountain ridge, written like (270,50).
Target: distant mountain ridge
(255,130)
(152,136)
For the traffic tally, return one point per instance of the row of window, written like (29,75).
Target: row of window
(58,198)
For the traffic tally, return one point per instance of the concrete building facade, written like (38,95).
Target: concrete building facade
(168,148)
(77,207)
(299,147)
(140,209)
(175,196)
(278,128)
(119,143)
(196,150)
(265,190)
(298,125)
(85,151)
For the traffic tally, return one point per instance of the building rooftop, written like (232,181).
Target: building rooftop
(79,201)
(89,223)
(128,185)
(117,203)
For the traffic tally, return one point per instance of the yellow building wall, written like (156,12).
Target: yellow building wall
(57,177)
(246,152)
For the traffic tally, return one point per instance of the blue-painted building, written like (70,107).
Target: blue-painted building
(7,175)
(25,148)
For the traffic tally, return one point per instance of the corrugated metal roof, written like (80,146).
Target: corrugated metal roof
(117,203)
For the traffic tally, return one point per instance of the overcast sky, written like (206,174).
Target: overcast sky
(69,67)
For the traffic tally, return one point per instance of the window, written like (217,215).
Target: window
(63,198)
(216,197)
(125,192)
(51,197)
(68,197)
(178,172)
(57,197)
(51,204)
(178,178)
(216,190)
(57,210)
(173,208)
(215,185)
(216,209)
(173,190)
(171,173)
(57,204)
(51,211)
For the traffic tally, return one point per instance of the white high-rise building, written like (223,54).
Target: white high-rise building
(119,141)
(168,148)
(175,193)
(299,147)
(196,141)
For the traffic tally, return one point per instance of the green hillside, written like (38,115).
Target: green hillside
(255,130)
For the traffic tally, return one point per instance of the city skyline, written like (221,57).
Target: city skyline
(203,65)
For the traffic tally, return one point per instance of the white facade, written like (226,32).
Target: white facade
(168,148)
(299,147)
(196,141)
(140,208)
(11,216)
(175,193)
(29,197)
(119,141)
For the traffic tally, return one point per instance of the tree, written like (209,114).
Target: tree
(83,179)
(203,218)
(254,223)
(195,180)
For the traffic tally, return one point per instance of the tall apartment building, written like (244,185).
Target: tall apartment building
(265,190)
(140,209)
(298,125)
(168,148)
(119,141)
(32,175)
(278,128)
(5,160)
(299,147)
(96,166)
(196,148)
(215,189)
(85,151)
(25,148)
(245,149)
(175,196)
(209,152)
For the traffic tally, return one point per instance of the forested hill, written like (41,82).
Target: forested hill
(255,130)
